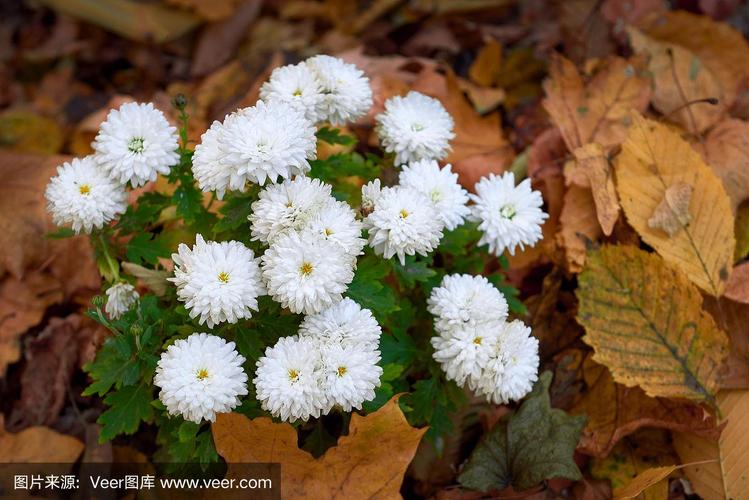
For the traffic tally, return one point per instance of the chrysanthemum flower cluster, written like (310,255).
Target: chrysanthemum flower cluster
(475,344)
(302,245)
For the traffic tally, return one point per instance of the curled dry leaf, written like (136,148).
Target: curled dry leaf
(578,226)
(592,160)
(645,322)
(615,411)
(153,279)
(726,151)
(653,158)
(720,468)
(369,462)
(598,112)
(672,213)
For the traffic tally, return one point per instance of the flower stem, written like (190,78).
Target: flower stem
(111,263)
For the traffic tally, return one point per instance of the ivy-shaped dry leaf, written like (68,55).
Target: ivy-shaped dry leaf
(672,213)
(654,158)
(645,322)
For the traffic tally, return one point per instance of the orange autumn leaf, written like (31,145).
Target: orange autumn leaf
(644,321)
(592,160)
(38,445)
(578,226)
(654,158)
(369,462)
(643,481)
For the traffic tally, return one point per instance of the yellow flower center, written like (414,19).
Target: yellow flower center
(202,374)
(297,93)
(293,374)
(306,268)
(341,371)
(477,341)
(84,189)
(328,231)
(223,277)
(508,212)
(404,213)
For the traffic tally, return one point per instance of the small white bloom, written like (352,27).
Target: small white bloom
(463,300)
(136,143)
(403,222)
(256,144)
(296,85)
(350,374)
(288,379)
(346,90)
(464,352)
(441,186)
(83,196)
(513,366)
(344,323)
(415,127)
(200,376)
(370,192)
(337,222)
(120,298)
(306,272)
(218,281)
(509,215)
(288,206)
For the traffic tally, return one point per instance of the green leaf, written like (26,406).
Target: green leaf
(128,407)
(432,401)
(526,447)
(456,242)
(114,366)
(334,136)
(61,233)
(413,271)
(144,213)
(235,211)
(147,249)
(368,290)
(397,348)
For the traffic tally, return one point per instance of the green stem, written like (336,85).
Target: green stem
(111,263)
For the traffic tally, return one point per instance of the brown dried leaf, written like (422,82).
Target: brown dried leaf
(738,284)
(369,462)
(672,213)
(486,67)
(642,481)
(655,157)
(211,10)
(615,411)
(598,112)
(726,151)
(578,226)
(731,318)
(592,160)
(38,445)
(28,132)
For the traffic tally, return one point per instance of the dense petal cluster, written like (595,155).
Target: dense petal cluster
(441,186)
(346,91)
(200,376)
(475,345)
(509,216)
(83,196)
(298,86)
(415,127)
(332,362)
(403,222)
(120,298)
(255,144)
(217,281)
(136,143)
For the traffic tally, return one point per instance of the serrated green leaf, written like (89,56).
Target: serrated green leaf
(398,348)
(526,447)
(457,241)
(128,407)
(112,367)
(334,136)
(145,248)
(413,271)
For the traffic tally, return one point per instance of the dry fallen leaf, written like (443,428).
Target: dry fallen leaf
(27,132)
(615,411)
(731,318)
(645,322)
(726,151)
(578,226)
(38,445)
(487,65)
(738,284)
(369,462)
(672,213)
(591,159)
(598,112)
(211,10)
(653,158)
(727,477)
(643,481)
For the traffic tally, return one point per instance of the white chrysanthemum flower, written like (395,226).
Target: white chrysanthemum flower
(464,352)
(463,300)
(350,375)
(256,144)
(200,376)
(370,192)
(305,272)
(136,143)
(441,186)
(218,281)
(120,298)
(403,222)
(344,323)
(297,85)
(346,90)
(83,196)
(415,127)
(509,215)
(513,365)
(288,379)
(337,222)
(290,205)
